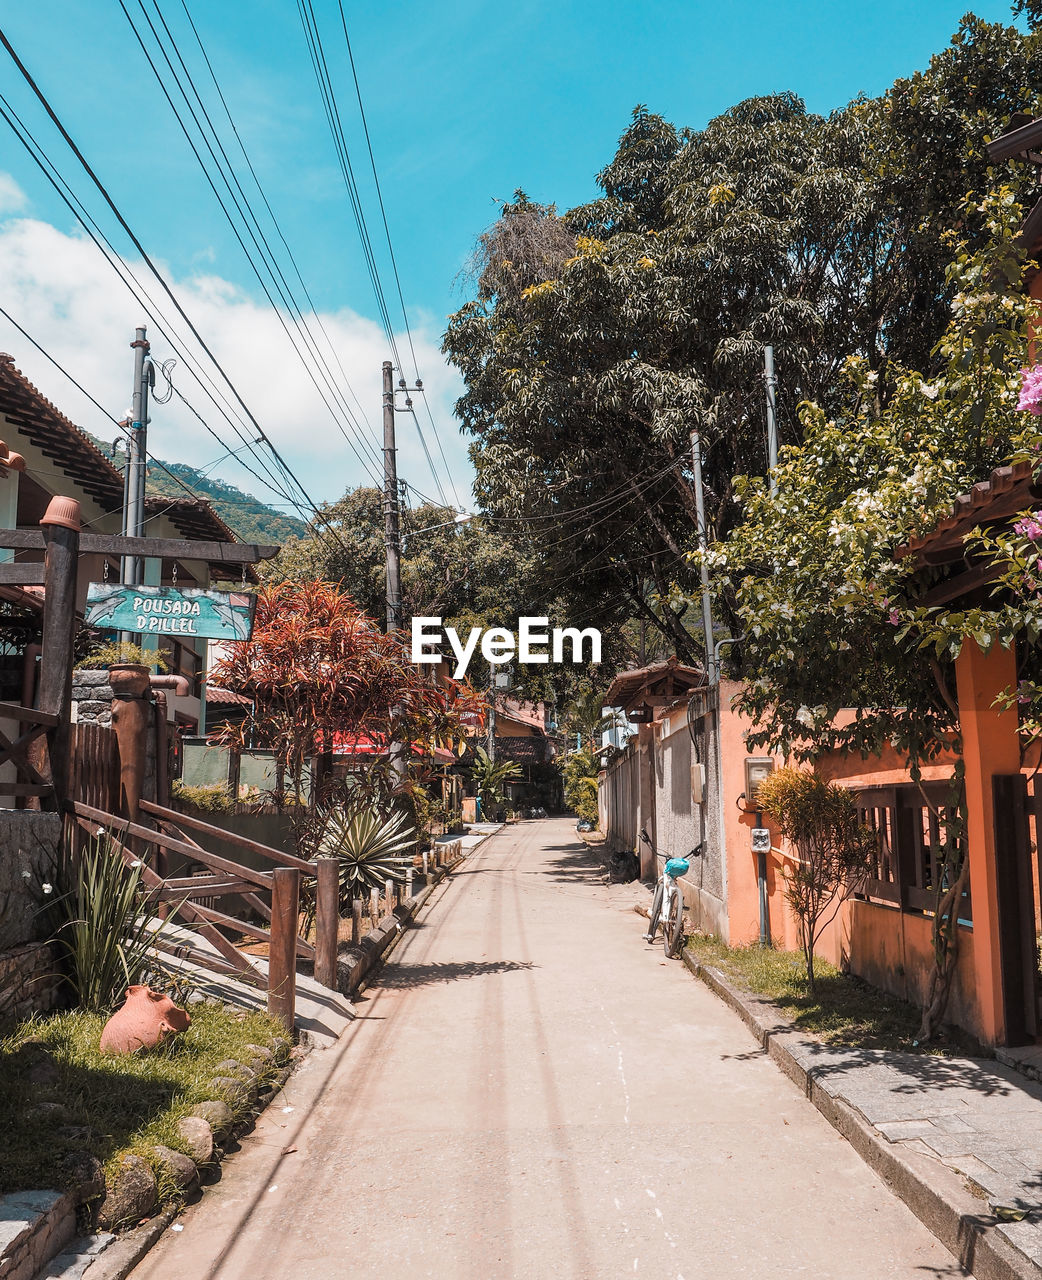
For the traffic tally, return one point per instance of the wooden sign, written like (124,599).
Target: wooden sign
(168,611)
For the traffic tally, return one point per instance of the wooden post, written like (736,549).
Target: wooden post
(374,906)
(282,969)
(327,921)
(389,896)
(426,864)
(408,883)
(356,921)
(61,531)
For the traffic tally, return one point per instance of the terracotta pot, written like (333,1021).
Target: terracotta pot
(146,1019)
(129,679)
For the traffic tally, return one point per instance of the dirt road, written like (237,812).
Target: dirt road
(530,1091)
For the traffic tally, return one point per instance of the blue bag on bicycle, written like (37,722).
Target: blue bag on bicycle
(677,867)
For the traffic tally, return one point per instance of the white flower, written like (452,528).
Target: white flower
(806,717)
(27,875)
(136,862)
(47,888)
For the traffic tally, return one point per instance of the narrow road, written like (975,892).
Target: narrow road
(531,1092)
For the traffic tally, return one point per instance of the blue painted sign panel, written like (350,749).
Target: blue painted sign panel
(168,611)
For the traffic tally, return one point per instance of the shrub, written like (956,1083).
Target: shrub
(103,926)
(580,784)
(833,849)
(214,798)
(371,848)
(107,655)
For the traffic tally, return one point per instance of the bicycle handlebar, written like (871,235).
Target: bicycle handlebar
(696,852)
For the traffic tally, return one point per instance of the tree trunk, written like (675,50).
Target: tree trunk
(946,955)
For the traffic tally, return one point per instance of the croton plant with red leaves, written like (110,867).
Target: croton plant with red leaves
(317,668)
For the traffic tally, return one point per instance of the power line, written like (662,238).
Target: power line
(261,245)
(281,462)
(127,275)
(267,205)
(394,263)
(157,462)
(103,191)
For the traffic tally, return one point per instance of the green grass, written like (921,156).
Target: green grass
(126,1102)
(843,1011)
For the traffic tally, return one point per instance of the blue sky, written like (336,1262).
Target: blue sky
(465,103)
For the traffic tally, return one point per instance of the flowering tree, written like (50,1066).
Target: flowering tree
(318,667)
(831,620)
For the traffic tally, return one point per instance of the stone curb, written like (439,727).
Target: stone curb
(123,1255)
(936,1195)
(379,942)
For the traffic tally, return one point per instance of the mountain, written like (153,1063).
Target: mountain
(251,519)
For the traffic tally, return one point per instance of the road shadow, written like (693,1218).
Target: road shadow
(576,863)
(422,975)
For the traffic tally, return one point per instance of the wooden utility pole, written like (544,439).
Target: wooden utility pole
(392,531)
(134,488)
(282,951)
(703,546)
(61,531)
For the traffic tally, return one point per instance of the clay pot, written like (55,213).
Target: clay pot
(129,679)
(145,1020)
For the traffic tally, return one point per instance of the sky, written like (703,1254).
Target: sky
(465,101)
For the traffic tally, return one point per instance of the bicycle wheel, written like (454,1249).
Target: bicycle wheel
(673,925)
(655,913)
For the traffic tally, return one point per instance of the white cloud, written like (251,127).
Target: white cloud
(62,292)
(12,197)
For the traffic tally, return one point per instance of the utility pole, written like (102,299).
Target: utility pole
(134,488)
(703,546)
(391,520)
(772,420)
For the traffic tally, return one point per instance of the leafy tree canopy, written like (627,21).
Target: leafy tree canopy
(599,337)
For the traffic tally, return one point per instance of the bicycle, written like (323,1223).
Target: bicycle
(667,906)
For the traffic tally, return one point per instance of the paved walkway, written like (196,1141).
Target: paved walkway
(977,1118)
(531,1092)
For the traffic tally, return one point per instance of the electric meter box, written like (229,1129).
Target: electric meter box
(698,782)
(757,768)
(761,840)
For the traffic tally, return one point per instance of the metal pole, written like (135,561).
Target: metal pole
(391,522)
(703,544)
(772,420)
(135,486)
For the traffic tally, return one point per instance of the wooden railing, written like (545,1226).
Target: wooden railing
(192,894)
(911,829)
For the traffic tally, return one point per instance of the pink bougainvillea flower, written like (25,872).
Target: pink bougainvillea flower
(1030,527)
(895,617)
(1031,389)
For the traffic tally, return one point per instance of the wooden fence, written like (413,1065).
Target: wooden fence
(911,827)
(94,766)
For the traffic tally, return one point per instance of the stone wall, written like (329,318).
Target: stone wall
(29,982)
(92,694)
(29,843)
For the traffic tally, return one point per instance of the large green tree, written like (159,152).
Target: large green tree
(838,650)
(599,337)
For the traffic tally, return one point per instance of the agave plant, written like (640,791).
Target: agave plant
(104,928)
(372,849)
